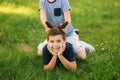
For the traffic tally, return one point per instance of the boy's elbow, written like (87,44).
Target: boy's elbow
(73,69)
(47,69)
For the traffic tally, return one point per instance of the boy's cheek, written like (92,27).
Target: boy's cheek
(60,44)
(64,43)
(49,45)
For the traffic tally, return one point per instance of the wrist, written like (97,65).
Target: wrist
(54,57)
(59,55)
(54,54)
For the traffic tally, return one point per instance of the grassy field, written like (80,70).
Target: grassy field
(21,31)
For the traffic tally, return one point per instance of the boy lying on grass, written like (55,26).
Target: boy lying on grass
(57,50)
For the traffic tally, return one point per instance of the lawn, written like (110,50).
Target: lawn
(21,31)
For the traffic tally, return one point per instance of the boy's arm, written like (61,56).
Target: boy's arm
(43,19)
(50,66)
(67,17)
(72,66)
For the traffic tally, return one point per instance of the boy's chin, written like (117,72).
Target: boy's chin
(56,52)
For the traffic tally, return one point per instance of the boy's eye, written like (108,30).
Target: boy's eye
(51,41)
(58,40)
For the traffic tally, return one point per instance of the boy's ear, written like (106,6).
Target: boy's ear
(65,41)
(63,25)
(49,25)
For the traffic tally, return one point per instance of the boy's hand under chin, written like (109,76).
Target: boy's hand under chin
(62,49)
(50,50)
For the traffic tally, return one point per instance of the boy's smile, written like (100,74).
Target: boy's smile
(55,43)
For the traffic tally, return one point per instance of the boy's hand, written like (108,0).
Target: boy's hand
(50,50)
(47,29)
(64,30)
(62,49)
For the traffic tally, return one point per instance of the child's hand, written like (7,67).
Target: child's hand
(47,29)
(50,50)
(64,30)
(62,49)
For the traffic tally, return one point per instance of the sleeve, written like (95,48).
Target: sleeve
(41,4)
(65,5)
(46,55)
(71,54)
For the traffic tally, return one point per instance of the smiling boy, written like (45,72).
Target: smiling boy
(58,51)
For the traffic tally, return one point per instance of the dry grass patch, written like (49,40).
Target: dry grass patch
(24,47)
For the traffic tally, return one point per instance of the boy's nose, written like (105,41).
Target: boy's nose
(55,44)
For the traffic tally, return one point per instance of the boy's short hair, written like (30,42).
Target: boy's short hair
(55,31)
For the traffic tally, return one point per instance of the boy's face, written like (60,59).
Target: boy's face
(56,42)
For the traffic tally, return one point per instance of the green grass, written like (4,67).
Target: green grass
(21,31)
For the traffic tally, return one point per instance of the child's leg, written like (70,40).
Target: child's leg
(79,49)
(40,47)
(89,48)
(39,53)
(81,54)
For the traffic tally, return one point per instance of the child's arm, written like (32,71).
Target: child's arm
(50,66)
(72,66)
(67,17)
(43,19)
